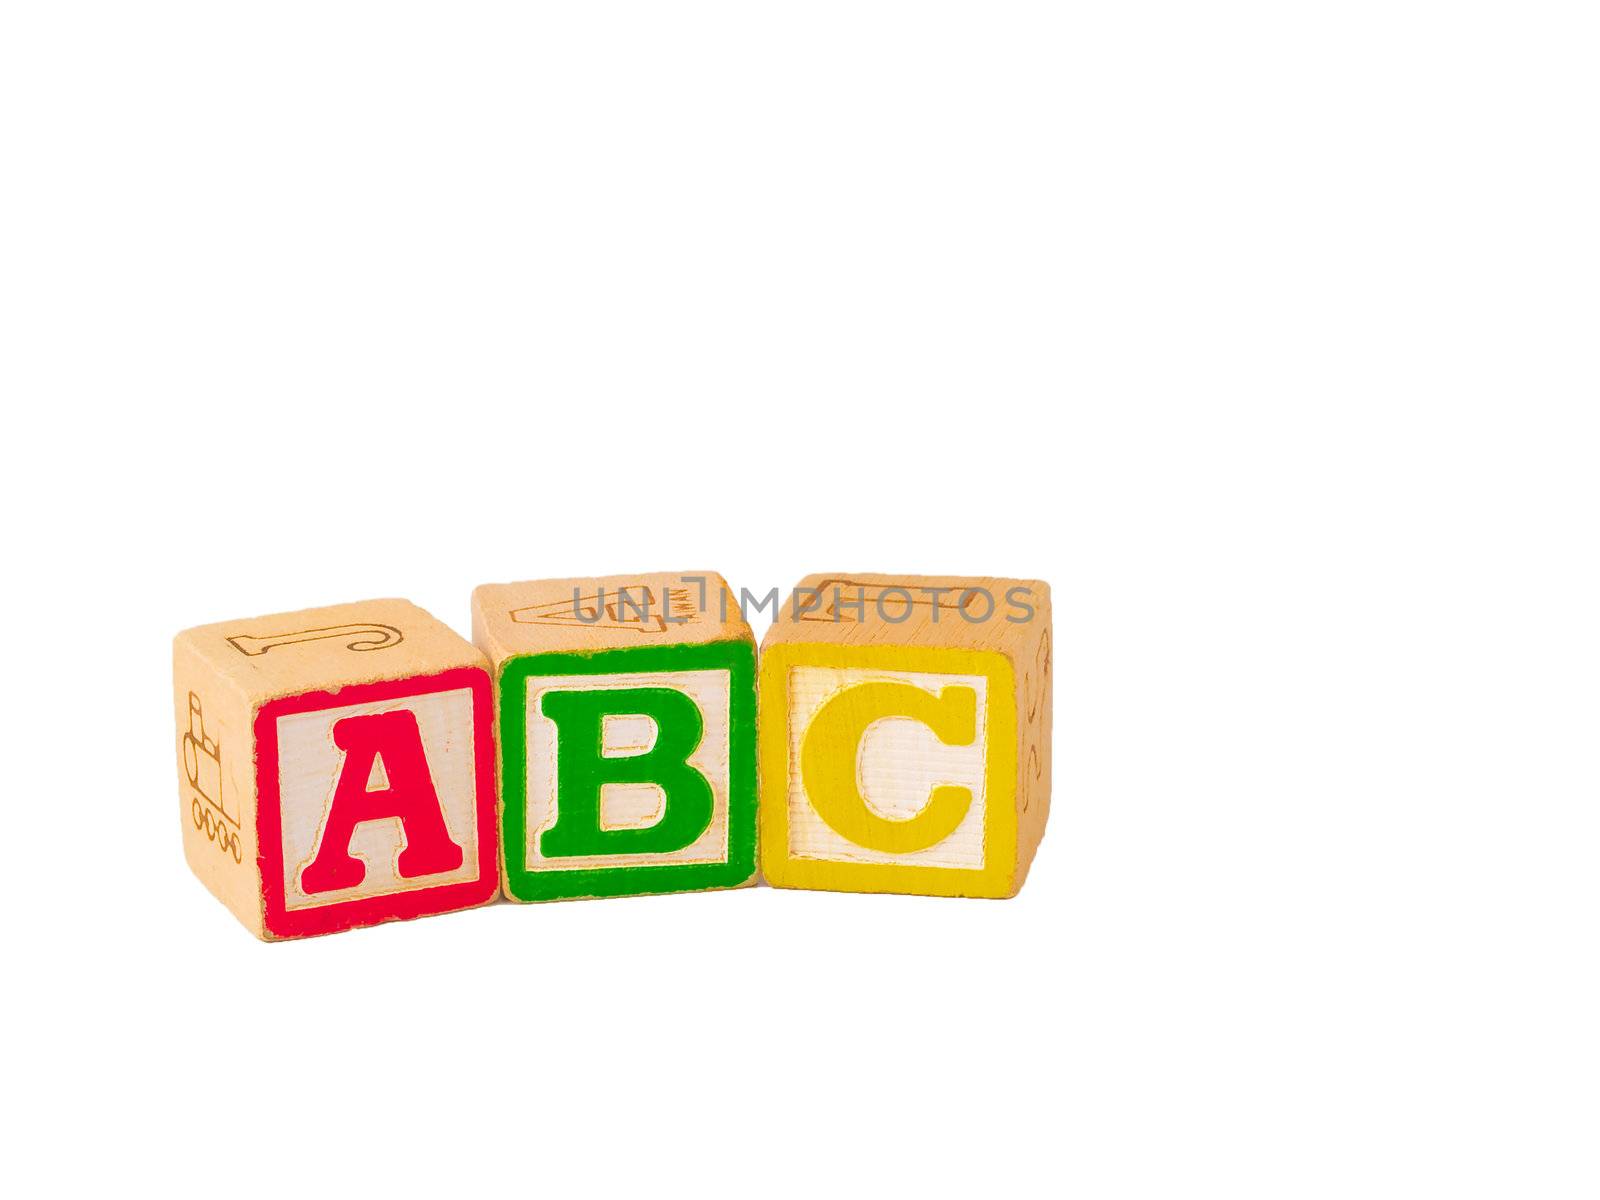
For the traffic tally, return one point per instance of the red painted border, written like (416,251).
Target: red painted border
(373,910)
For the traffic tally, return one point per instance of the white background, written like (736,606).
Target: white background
(1266,332)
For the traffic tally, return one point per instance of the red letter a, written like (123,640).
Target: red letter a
(409,796)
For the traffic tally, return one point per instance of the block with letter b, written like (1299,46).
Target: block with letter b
(627,734)
(905,734)
(336,767)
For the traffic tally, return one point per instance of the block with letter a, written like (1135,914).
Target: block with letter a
(627,734)
(349,767)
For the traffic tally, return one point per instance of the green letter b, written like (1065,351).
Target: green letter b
(582,769)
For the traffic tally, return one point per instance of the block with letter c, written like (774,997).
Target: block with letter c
(905,748)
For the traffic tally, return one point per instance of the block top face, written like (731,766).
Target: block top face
(850,608)
(610,612)
(323,649)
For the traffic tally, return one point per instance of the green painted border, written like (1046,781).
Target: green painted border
(739,659)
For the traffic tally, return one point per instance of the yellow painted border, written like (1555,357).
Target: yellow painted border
(1000,774)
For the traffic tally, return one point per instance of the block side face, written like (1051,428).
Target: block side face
(615,840)
(216,785)
(1034,665)
(605,612)
(863,608)
(317,649)
(377,802)
(888,769)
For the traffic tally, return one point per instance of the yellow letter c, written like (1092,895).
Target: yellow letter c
(832,744)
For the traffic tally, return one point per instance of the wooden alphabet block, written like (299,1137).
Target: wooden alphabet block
(627,734)
(905,734)
(336,767)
